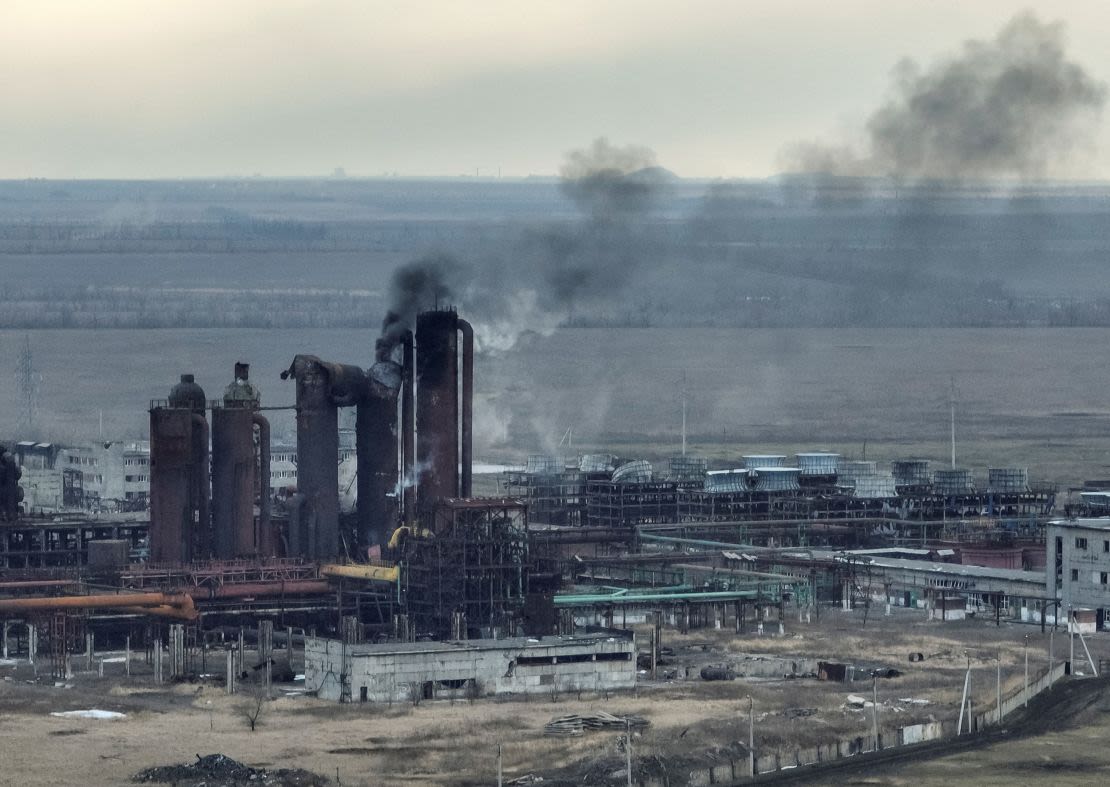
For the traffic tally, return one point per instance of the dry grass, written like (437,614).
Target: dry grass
(445,742)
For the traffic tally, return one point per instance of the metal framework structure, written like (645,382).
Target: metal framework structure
(475,563)
(32,543)
(554,498)
(617,505)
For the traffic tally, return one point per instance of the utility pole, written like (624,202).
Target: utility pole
(751,737)
(952,408)
(875,708)
(628,749)
(1071,640)
(28,384)
(963,700)
(684,412)
(1025,648)
(998,685)
(499,765)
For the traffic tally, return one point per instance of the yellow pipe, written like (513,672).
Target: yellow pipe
(178,613)
(358,571)
(408,530)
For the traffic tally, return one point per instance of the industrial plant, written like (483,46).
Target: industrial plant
(573,574)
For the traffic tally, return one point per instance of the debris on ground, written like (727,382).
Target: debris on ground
(577,724)
(718,672)
(218,770)
(799,713)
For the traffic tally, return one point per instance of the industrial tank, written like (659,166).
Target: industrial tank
(179,490)
(240,470)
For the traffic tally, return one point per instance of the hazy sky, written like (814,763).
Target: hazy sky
(154,88)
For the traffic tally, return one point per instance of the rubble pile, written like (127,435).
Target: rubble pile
(218,770)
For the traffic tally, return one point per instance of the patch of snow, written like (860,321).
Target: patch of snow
(92,713)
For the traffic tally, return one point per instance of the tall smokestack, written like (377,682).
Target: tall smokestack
(437,407)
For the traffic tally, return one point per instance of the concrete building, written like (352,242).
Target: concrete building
(283,467)
(114,475)
(42,481)
(396,672)
(103,476)
(1078,565)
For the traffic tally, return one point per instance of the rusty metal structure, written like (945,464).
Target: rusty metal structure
(240,471)
(444,419)
(322,388)
(477,565)
(179,486)
(377,447)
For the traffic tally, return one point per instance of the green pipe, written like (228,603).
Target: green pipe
(718,595)
(696,542)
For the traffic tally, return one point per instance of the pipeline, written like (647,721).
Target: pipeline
(290,587)
(37,583)
(198,536)
(404,532)
(147,603)
(467,415)
(408,432)
(361,571)
(265,542)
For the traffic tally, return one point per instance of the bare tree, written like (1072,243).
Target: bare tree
(253,708)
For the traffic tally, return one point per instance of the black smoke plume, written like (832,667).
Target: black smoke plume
(415,286)
(1014,106)
(550,269)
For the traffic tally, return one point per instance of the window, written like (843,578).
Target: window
(1080,543)
(1106,546)
(1075,575)
(1102,578)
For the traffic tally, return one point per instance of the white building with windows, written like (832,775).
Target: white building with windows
(1078,565)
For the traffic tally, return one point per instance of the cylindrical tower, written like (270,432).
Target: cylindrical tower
(437,407)
(322,388)
(179,475)
(234,468)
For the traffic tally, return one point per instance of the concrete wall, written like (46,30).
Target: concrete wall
(389,675)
